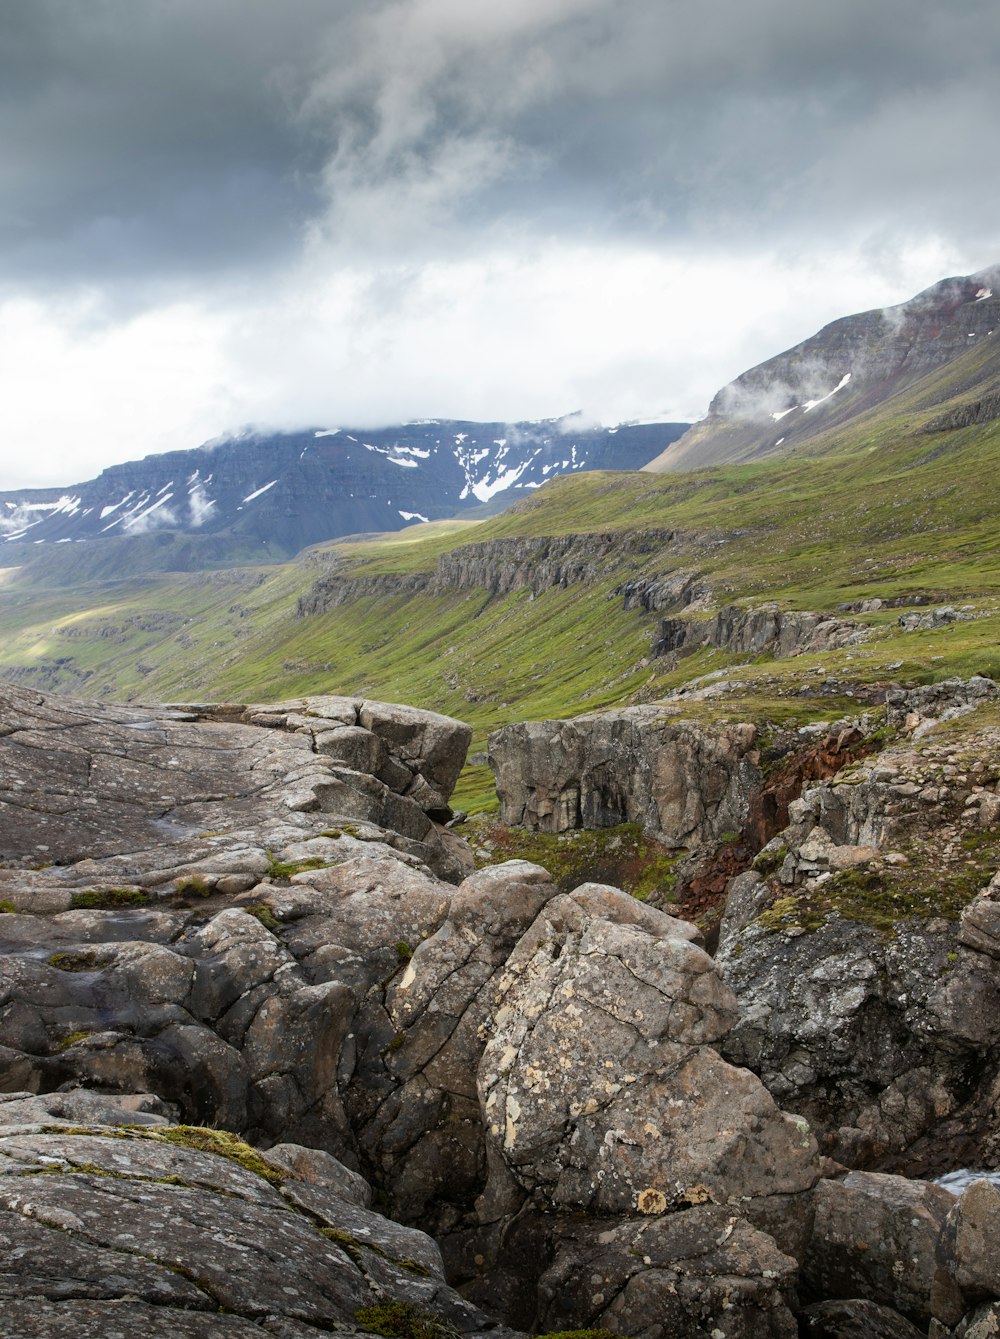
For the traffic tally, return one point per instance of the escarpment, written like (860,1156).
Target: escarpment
(497,565)
(228,922)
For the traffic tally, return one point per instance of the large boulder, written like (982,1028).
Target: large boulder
(702,1272)
(600,1084)
(878,1237)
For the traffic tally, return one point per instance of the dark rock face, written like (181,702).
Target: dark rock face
(753,631)
(684,783)
(497,565)
(865,966)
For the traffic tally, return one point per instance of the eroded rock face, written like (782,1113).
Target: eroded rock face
(684,783)
(865,959)
(753,631)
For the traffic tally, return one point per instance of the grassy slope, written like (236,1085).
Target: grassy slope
(876,507)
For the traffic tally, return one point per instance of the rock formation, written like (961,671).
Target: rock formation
(228,923)
(684,783)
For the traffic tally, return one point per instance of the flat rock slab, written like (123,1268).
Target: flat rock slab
(132,793)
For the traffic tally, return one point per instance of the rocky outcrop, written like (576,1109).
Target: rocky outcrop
(684,783)
(156,794)
(538,564)
(674,590)
(496,565)
(916,709)
(544,1080)
(755,631)
(862,949)
(189,1233)
(982,410)
(333,589)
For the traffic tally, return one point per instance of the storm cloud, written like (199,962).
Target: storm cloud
(334,175)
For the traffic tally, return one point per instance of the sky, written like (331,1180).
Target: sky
(292,213)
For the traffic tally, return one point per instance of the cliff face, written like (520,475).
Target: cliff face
(848,367)
(685,784)
(497,565)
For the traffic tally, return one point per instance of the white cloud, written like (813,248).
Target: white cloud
(614,332)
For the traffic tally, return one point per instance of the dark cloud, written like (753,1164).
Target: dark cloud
(174,138)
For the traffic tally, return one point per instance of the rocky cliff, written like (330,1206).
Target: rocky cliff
(685,784)
(495,565)
(225,923)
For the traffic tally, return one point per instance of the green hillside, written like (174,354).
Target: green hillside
(879,507)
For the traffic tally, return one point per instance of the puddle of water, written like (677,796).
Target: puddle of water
(959,1181)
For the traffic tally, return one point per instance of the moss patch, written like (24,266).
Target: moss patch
(221,1142)
(195,886)
(881,898)
(403,1320)
(83,960)
(72,1038)
(265,915)
(623,856)
(283,870)
(106,899)
(580,1334)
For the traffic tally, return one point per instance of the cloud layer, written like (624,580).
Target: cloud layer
(295,213)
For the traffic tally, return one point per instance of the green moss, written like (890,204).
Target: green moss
(580,1334)
(623,856)
(285,869)
(72,1038)
(195,886)
(221,1142)
(109,898)
(769,862)
(81,960)
(403,951)
(6,908)
(881,898)
(403,1320)
(265,915)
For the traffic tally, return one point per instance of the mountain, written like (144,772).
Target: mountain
(272,495)
(852,366)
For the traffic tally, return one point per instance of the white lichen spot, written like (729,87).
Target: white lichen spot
(409,976)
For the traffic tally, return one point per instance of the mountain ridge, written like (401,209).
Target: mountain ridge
(850,366)
(275,494)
